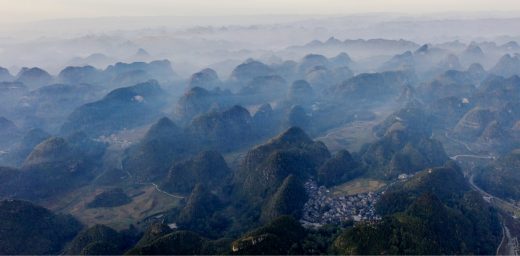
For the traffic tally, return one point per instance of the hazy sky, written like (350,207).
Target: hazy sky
(30,10)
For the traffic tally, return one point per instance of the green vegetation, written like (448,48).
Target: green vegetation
(358,186)
(153,155)
(29,229)
(225,131)
(338,169)
(501,178)
(404,146)
(101,240)
(288,200)
(400,152)
(207,168)
(154,231)
(285,235)
(181,243)
(201,213)
(111,198)
(413,117)
(55,166)
(125,107)
(204,179)
(278,237)
(266,166)
(261,188)
(427,215)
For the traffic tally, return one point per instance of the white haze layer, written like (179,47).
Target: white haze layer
(221,35)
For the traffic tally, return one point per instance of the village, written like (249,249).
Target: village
(325,207)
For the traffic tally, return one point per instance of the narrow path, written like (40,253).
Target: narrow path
(166,193)
(509,244)
(507,240)
(503,239)
(151,183)
(491,196)
(506,236)
(458,142)
(456,157)
(512,243)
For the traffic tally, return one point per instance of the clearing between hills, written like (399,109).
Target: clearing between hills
(146,201)
(358,186)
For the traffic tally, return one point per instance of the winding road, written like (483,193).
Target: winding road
(458,141)
(151,183)
(508,241)
(164,192)
(508,244)
(491,196)
(456,157)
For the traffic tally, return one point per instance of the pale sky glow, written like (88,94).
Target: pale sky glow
(31,10)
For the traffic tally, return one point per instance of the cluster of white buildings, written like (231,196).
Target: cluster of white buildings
(323,207)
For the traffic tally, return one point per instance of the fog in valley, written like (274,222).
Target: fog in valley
(270,132)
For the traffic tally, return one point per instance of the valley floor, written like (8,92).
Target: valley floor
(509,212)
(146,201)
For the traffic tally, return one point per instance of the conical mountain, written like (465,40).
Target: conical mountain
(154,231)
(153,155)
(507,66)
(288,200)
(30,229)
(123,108)
(266,166)
(208,168)
(97,240)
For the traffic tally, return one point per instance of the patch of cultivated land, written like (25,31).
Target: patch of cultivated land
(146,201)
(234,159)
(351,136)
(358,186)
